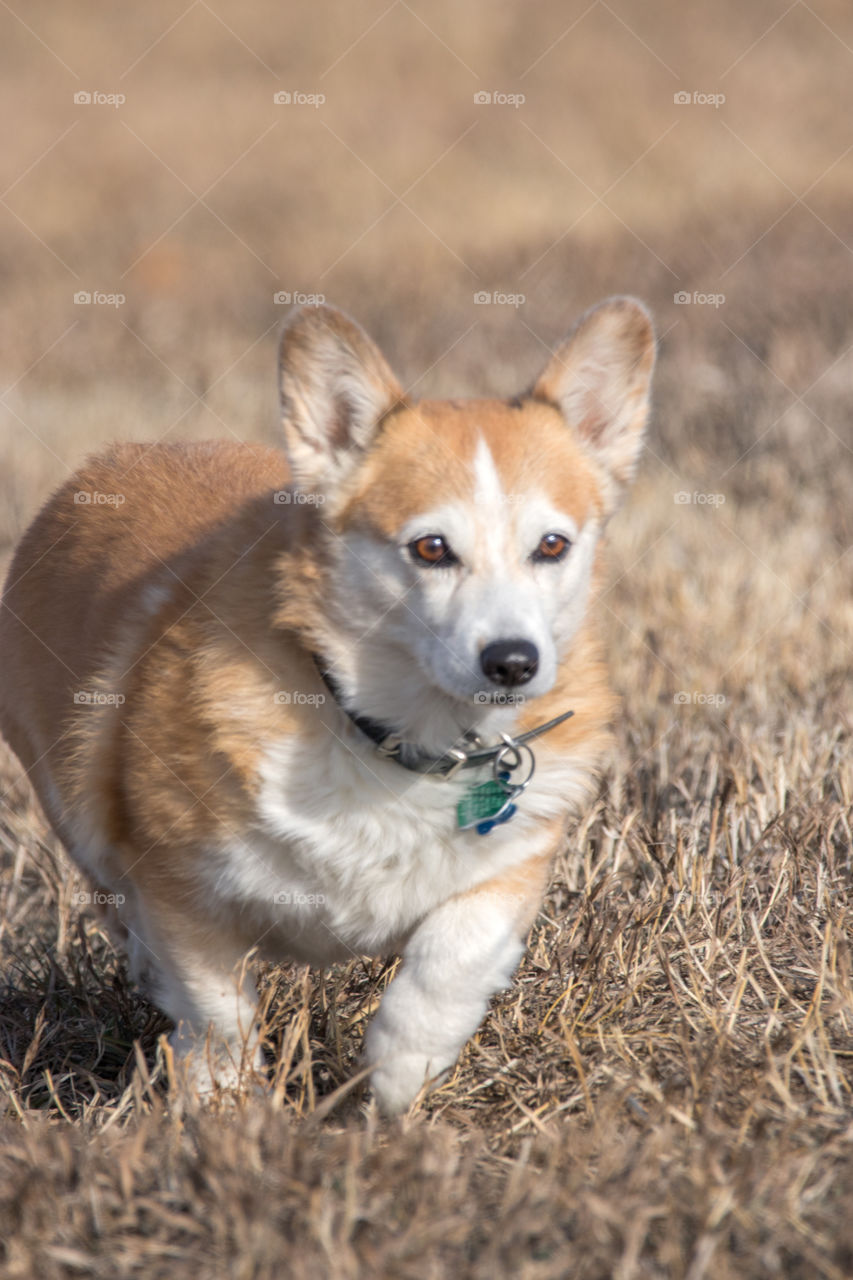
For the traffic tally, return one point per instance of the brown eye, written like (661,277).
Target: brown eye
(432,550)
(552,547)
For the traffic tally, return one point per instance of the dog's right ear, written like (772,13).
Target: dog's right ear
(335,387)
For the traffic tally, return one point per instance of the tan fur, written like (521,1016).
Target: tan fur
(525,884)
(73,599)
(428,449)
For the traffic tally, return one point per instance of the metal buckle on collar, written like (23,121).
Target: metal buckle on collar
(460,759)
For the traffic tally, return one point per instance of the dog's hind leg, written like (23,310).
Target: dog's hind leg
(206,985)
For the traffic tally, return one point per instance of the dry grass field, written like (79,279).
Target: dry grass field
(667,1089)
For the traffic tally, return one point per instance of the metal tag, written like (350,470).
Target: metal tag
(488,804)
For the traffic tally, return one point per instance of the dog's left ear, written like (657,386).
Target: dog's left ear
(600,379)
(335,386)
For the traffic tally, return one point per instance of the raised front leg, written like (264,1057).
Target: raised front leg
(460,955)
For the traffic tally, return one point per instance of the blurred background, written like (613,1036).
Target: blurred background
(173,175)
(464,179)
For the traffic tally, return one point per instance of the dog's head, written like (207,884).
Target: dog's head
(463,533)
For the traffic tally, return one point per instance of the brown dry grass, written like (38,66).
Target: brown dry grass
(666,1090)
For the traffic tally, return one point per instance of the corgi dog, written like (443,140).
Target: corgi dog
(332,701)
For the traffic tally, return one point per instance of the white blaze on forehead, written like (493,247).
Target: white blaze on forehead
(514,522)
(494,531)
(493,511)
(488,489)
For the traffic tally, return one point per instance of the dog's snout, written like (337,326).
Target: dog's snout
(510,662)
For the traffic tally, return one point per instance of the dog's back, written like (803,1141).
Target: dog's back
(91,561)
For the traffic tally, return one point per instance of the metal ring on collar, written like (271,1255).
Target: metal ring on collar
(508,759)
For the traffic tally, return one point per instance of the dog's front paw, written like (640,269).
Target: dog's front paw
(397,1083)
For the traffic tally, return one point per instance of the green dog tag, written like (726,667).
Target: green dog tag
(484,806)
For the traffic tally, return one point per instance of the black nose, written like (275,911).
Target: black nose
(510,662)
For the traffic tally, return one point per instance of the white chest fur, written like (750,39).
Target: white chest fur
(348,851)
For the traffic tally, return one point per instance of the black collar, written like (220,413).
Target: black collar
(469,754)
